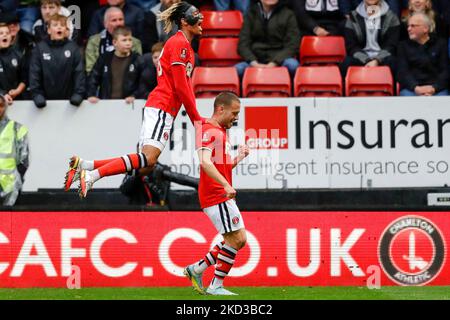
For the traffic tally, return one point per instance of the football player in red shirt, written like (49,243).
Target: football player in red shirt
(216,194)
(174,88)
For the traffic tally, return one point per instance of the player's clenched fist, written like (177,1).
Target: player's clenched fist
(230,192)
(243,151)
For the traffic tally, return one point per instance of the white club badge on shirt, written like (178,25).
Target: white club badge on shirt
(131,67)
(46,56)
(67,53)
(183,54)
(14,62)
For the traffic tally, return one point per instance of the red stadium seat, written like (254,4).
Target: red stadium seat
(266,82)
(218,52)
(369,81)
(322,50)
(318,81)
(208,82)
(222,23)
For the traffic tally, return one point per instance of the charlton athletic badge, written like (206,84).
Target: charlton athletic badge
(183,54)
(235,220)
(166,136)
(412,251)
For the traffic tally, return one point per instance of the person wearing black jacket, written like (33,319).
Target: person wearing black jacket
(12,71)
(56,68)
(371,36)
(269,37)
(423,61)
(21,40)
(116,74)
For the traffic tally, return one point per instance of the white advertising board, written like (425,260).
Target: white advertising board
(295,143)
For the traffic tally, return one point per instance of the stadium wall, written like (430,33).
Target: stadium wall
(296,143)
(146,249)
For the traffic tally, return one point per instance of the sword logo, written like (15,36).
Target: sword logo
(414,262)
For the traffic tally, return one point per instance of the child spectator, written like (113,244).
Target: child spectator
(12,75)
(116,74)
(56,68)
(49,8)
(148,80)
(22,41)
(101,43)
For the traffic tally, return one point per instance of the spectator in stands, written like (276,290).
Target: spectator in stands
(22,41)
(134,18)
(116,74)
(371,36)
(49,8)
(241,5)
(102,42)
(28,12)
(347,6)
(14,153)
(318,17)
(148,80)
(422,60)
(12,72)
(56,68)
(438,25)
(269,37)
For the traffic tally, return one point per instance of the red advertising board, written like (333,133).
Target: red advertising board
(143,249)
(266,127)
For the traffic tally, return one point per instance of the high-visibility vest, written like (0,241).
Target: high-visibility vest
(8,165)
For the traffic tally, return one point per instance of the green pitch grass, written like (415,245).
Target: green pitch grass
(245,293)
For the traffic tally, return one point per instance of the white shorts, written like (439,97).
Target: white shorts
(225,216)
(155,130)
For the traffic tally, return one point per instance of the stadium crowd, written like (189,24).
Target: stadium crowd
(111,51)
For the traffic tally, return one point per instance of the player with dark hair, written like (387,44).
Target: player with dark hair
(216,194)
(174,88)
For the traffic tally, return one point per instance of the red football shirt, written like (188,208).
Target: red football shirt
(215,139)
(177,50)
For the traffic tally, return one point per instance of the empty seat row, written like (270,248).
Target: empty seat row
(309,81)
